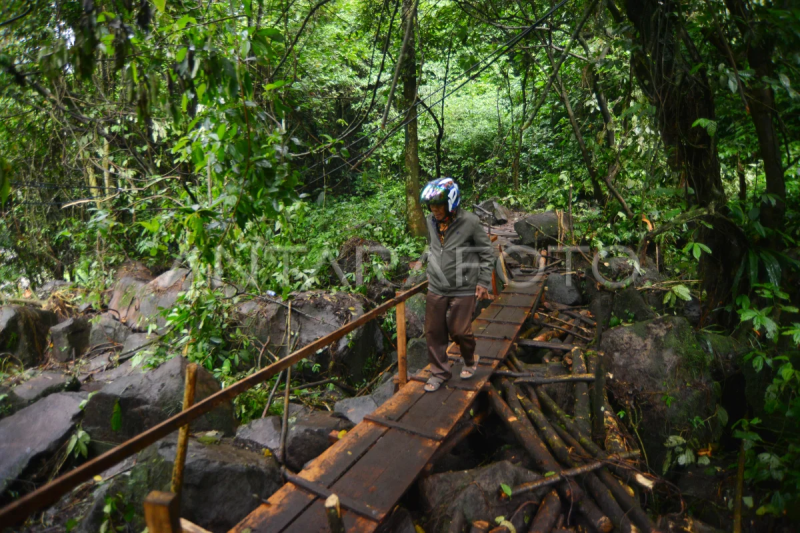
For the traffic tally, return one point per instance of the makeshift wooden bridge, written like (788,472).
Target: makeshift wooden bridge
(375,463)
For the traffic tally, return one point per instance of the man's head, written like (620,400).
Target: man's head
(442,197)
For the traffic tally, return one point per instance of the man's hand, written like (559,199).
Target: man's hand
(482,293)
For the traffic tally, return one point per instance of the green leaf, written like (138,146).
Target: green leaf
(773,267)
(271,33)
(549,474)
(506,489)
(5,181)
(160,4)
(722,415)
(116,417)
(748,501)
(682,292)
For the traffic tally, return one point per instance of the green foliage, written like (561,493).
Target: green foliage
(78,444)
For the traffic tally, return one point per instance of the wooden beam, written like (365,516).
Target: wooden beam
(19,510)
(161,512)
(183,432)
(188,527)
(402,355)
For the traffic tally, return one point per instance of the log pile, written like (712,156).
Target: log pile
(588,465)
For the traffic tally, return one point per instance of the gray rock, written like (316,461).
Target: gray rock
(70,339)
(659,367)
(563,289)
(106,329)
(600,306)
(110,373)
(40,386)
(48,288)
(35,433)
(23,333)
(541,229)
(145,399)
(308,436)
(629,305)
(222,484)
(261,433)
(355,409)
(400,521)
(416,355)
(138,341)
(499,214)
(138,303)
(383,392)
(473,492)
(266,321)
(415,316)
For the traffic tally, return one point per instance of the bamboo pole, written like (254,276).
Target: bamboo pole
(334,513)
(402,355)
(285,421)
(183,432)
(569,378)
(272,394)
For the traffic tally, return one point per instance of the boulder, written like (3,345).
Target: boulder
(44,291)
(39,386)
(416,355)
(542,229)
(308,436)
(659,368)
(106,329)
(107,373)
(563,289)
(70,339)
(630,306)
(139,401)
(23,333)
(138,303)
(265,433)
(600,306)
(222,484)
(415,316)
(319,313)
(400,521)
(355,409)
(138,341)
(383,392)
(494,210)
(473,492)
(34,433)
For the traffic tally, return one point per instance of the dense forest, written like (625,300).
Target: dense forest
(253,142)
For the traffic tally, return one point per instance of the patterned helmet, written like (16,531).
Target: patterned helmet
(441,191)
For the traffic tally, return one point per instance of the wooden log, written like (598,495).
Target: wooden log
(525,488)
(520,426)
(547,515)
(402,355)
(569,378)
(454,438)
(598,403)
(625,500)
(598,491)
(183,433)
(562,330)
(188,527)
(334,514)
(615,438)
(519,520)
(582,404)
(479,526)
(548,345)
(162,512)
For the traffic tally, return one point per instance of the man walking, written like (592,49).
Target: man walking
(460,263)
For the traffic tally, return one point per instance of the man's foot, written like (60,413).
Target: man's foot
(433,384)
(469,371)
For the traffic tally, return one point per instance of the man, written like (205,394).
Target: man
(460,263)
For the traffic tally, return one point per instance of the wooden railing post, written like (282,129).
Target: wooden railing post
(161,512)
(402,360)
(334,512)
(183,432)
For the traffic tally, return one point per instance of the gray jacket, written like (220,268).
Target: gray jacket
(464,260)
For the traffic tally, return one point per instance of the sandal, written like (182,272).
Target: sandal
(433,384)
(469,371)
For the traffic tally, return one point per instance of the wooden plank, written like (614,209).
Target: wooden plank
(520,300)
(319,491)
(283,508)
(548,345)
(162,512)
(442,412)
(313,520)
(188,527)
(486,348)
(490,312)
(513,314)
(387,470)
(503,330)
(402,426)
(401,402)
(475,383)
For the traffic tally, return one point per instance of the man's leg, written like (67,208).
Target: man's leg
(459,323)
(436,334)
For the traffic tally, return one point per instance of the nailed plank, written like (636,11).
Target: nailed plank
(313,520)
(380,478)
(445,408)
(486,348)
(475,383)
(512,314)
(490,312)
(402,426)
(519,300)
(401,402)
(321,492)
(283,508)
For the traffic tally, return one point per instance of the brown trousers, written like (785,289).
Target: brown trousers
(448,315)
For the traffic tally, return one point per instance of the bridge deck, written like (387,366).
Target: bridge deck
(377,461)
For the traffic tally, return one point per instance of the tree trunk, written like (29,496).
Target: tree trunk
(415,219)
(680,96)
